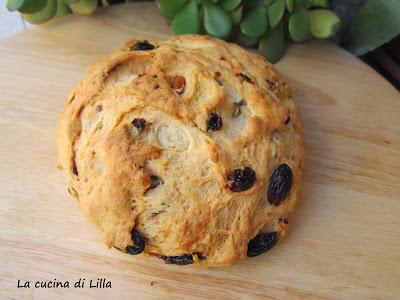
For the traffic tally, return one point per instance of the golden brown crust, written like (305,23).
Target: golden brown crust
(175,88)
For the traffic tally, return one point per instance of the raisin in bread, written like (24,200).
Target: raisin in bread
(188,149)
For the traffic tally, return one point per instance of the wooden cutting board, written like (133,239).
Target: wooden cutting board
(345,234)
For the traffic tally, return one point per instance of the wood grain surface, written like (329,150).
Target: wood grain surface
(344,240)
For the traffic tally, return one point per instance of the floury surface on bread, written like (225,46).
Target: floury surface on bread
(188,149)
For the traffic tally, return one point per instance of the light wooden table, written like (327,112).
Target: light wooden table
(345,235)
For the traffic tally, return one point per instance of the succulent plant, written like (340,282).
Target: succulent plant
(266,23)
(41,11)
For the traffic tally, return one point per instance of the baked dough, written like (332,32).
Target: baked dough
(188,149)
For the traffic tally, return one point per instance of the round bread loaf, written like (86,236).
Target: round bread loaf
(188,149)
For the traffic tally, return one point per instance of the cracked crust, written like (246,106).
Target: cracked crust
(168,177)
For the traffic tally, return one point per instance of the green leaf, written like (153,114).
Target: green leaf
(202,30)
(26,6)
(230,5)
(245,40)
(187,20)
(318,3)
(268,2)
(275,12)
(299,26)
(62,9)
(255,23)
(252,4)
(13,5)
(272,44)
(323,23)
(299,4)
(69,1)
(84,7)
(32,6)
(376,23)
(170,8)
(44,15)
(217,21)
(236,15)
(289,5)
